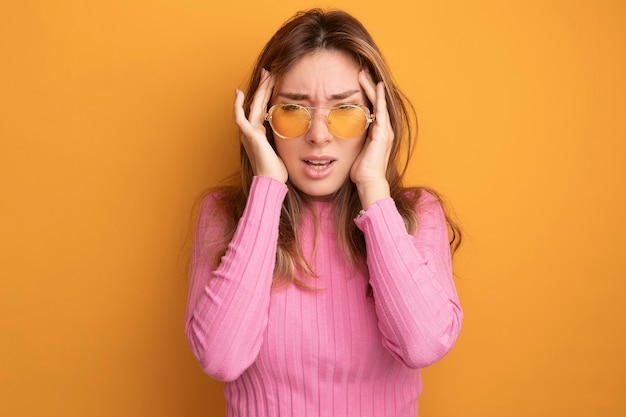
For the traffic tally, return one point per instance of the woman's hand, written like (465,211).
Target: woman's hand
(370,167)
(263,158)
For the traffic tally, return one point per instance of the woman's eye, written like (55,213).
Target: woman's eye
(291,107)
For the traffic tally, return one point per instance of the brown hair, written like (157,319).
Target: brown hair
(307,32)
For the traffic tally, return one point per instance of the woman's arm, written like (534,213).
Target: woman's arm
(416,302)
(228,306)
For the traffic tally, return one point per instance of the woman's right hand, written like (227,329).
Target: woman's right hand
(263,158)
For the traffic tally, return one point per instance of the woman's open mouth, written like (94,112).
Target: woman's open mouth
(319,164)
(318,168)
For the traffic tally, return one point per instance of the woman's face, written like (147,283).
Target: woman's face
(317,162)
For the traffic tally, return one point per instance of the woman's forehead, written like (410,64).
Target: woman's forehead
(323,74)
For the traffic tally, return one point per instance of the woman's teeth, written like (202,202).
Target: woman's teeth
(318,164)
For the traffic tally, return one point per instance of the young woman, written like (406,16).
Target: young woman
(320,285)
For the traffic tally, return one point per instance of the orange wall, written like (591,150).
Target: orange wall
(115,114)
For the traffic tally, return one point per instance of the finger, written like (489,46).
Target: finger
(258,94)
(238,106)
(380,106)
(240,115)
(375,92)
(261,98)
(368,85)
(245,127)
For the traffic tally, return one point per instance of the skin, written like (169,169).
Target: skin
(321,79)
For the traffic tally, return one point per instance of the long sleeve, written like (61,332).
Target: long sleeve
(419,315)
(227,310)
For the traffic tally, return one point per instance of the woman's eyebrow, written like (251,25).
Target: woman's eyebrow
(303,97)
(293,96)
(344,95)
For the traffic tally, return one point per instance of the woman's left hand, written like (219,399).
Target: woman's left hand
(370,167)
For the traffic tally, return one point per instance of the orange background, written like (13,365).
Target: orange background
(116,114)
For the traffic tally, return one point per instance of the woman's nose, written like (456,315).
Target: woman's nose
(319,132)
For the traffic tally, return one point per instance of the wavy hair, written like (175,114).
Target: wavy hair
(305,33)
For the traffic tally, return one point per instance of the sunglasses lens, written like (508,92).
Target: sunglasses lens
(347,122)
(290,120)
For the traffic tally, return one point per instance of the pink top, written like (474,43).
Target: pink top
(331,352)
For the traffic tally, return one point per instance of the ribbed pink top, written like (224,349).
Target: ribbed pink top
(334,351)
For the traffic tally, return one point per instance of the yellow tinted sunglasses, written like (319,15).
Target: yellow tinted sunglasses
(346,121)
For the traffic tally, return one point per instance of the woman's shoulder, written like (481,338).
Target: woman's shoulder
(422,196)
(216,204)
(217,196)
(433,210)
(428,195)
(427,203)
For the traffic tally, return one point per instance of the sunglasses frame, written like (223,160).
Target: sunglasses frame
(369,117)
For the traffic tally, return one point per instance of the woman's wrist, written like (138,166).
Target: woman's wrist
(373,191)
